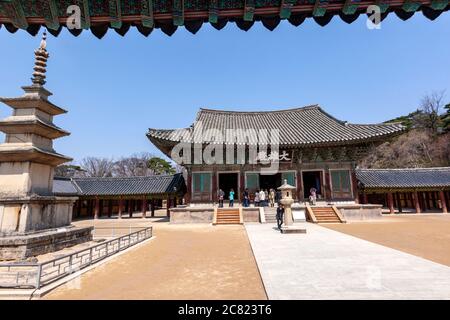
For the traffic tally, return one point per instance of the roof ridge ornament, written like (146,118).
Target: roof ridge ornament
(41,55)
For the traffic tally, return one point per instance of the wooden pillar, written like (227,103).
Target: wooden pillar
(168,206)
(215,186)
(152,205)
(144,207)
(443,202)
(188,194)
(365,200)
(120,207)
(399,202)
(110,208)
(417,202)
(390,201)
(79,204)
(299,186)
(327,187)
(354,186)
(97,208)
(130,208)
(241,186)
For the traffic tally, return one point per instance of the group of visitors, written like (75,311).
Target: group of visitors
(264,198)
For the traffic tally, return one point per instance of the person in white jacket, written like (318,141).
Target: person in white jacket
(262,198)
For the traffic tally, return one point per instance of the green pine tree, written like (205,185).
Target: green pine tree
(446,118)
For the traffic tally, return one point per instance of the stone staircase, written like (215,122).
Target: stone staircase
(270,214)
(325,215)
(228,216)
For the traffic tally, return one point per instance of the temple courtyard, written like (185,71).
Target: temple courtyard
(410,259)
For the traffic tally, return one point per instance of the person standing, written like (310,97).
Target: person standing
(280,216)
(220,196)
(278,197)
(257,198)
(231,197)
(272,198)
(313,196)
(246,198)
(262,198)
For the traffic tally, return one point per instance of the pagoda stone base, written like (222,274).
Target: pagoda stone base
(21,216)
(21,247)
(36,225)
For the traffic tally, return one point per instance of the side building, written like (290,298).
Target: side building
(107,197)
(311,148)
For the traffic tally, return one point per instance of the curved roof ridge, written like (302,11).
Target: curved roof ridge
(313,106)
(128,178)
(404,169)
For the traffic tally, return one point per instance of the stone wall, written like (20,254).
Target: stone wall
(251,214)
(192,215)
(22,247)
(355,212)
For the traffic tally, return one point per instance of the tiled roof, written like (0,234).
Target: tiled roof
(404,178)
(102,15)
(301,126)
(122,186)
(64,187)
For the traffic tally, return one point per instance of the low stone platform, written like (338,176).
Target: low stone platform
(21,247)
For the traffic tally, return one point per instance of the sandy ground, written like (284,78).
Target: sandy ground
(182,262)
(426,236)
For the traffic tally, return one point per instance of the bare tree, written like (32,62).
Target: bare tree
(97,167)
(431,106)
(133,166)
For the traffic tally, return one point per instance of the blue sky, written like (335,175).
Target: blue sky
(116,88)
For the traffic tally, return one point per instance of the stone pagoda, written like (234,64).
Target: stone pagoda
(32,220)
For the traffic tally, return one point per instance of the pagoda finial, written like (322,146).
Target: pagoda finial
(40,63)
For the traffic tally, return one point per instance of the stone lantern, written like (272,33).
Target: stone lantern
(287,201)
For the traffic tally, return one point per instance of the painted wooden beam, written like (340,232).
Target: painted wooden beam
(286,8)
(320,8)
(115,14)
(439,4)
(249,10)
(147,18)
(178,12)
(85,17)
(383,4)
(350,6)
(411,6)
(213,12)
(50,12)
(19,20)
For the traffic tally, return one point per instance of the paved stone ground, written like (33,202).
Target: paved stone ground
(182,262)
(325,264)
(424,235)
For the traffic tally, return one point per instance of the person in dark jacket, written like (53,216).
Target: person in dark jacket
(280,215)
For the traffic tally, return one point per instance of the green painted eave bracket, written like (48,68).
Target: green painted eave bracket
(178,12)
(147,13)
(86,17)
(19,19)
(249,10)
(213,14)
(439,4)
(286,8)
(411,6)
(383,5)
(51,15)
(115,14)
(320,8)
(350,7)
